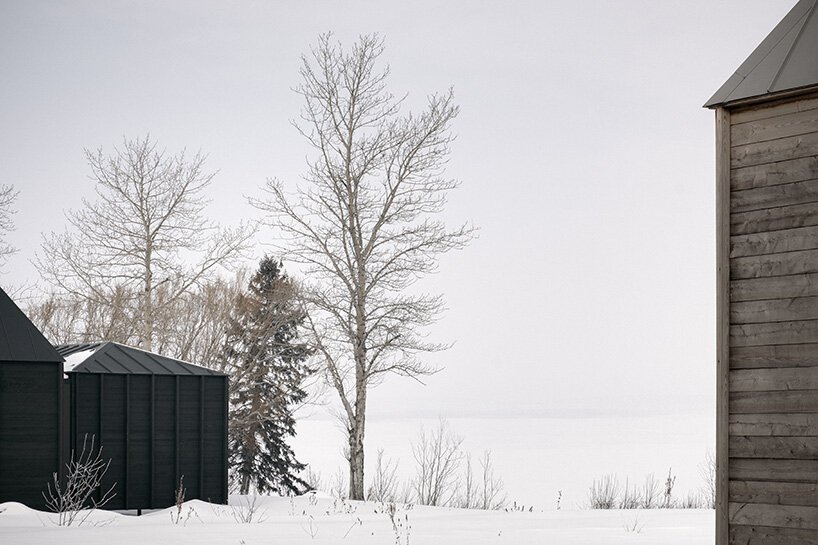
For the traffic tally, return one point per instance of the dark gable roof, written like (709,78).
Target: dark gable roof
(786,60)
(114,358)
(20,340)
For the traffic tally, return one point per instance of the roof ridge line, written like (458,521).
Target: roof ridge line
(164,356)
(133,359)
(131,355)
(806,18)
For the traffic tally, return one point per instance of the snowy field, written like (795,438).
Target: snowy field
(312,520)
(536,457)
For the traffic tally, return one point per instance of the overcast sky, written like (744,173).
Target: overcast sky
(584,154)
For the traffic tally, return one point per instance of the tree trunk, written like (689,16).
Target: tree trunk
(147,305)
(244,488)
(358,422)
(356,449)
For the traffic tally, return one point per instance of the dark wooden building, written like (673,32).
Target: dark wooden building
(31,374)
(158,419)
(767,311)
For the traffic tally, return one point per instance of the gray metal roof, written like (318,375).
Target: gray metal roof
(786,60)
(20,340)
(114,358)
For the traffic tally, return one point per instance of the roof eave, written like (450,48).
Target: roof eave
(759,99)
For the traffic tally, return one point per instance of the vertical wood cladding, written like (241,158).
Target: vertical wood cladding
(214,465)
(139,440)
(30,429)
(772,404)
(190,407)
(155,432)
(164,455)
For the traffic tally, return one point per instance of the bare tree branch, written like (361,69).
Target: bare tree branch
(7,197)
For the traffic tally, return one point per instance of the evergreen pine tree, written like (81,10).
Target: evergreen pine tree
(267,365)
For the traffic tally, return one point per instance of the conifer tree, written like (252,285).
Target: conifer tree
(267,365)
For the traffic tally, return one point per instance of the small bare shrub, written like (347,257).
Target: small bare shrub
(707,471)
(310,529)
(604,493)
(492,495)
(670,482)
(384,487)
(650,492)
(248,511)
(312,478)
(630,498)
(437,457)
(467,494)
(400,524)
(73,495)
(177,516)
(693,500)
(338,486)
(634,527)
(407,493)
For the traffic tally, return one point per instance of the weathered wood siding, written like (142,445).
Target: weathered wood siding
(768,426)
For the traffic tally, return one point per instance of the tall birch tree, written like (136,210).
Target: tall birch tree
(365,225)
(146,235)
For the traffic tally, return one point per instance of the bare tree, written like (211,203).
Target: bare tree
(7,197)
(365,225)
(194,327)
(437,461)
(66,318)
(191,328)
(52,315)
(140,235)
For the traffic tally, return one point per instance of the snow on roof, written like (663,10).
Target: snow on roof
(114,358)
(75,358)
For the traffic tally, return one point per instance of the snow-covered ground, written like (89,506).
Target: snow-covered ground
(536,457)
(321,520)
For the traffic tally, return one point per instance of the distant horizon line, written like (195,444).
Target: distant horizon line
(325,415)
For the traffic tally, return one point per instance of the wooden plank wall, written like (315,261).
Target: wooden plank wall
(772,404)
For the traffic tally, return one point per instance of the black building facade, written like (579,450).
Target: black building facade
(31,375)
(159,420)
